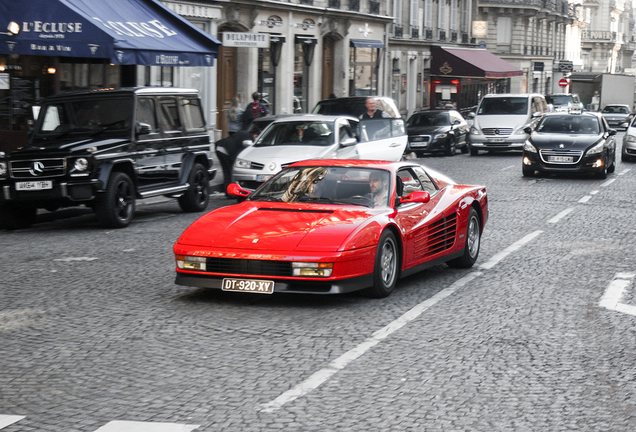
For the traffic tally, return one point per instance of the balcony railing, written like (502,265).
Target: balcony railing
(354,5)
(398,31)
(415,32)
(442,35)
(334,4)
(374,7)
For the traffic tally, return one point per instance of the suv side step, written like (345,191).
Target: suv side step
(165,191)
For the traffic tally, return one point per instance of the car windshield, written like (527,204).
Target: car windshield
(503,106)
(428,119)
(315,133)
(86,117)
(327,185)
(613,109)
(560,100)
(569,124)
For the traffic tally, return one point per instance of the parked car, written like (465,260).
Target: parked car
(628,152)
(570,143)
(616,115)
(564,102)
(355,106)
(299,137)
(437,131)
(315,228)
(501,120)
(106,149)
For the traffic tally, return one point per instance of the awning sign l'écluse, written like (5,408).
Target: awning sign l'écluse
(123,31)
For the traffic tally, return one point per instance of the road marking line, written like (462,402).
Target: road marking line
(594,192)
(585,199)
(508,167)
(625,171)
(75,259)
(607,183)
(320,377)
(510,249)
(135,426)
(560,216)
(614,292)
(6,420)
(17,318)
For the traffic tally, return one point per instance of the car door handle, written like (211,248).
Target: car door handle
(395,145)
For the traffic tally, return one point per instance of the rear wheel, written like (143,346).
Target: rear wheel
(117,206)
(473,241)
(197,196)
(17,216)
(385,271)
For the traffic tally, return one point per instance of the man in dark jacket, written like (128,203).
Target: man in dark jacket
(227,149)
(254,109)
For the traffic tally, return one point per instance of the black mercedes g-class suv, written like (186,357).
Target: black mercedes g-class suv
(105,149)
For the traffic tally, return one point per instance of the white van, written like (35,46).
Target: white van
(501,119)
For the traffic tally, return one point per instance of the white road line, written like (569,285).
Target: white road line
(594,192)
(614,292)
(7,420)
(607,183)
(510,249)
(320,377)
(134,426)
(508,167)
(625,171)
(585,199)
(17,318)
(69,259)
(561,215)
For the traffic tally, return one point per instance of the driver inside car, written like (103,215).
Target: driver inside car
(379,185)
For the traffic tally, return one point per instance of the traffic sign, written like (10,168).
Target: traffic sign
(563,82)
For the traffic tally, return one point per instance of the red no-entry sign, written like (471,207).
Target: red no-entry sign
(563,82)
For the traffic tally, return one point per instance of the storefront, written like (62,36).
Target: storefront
(461,76)
(51,46)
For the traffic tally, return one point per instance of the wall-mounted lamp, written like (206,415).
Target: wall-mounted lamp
(13,27)
(51,70)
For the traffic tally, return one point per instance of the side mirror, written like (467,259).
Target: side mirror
(537,114)
(416,197)
(625,125)
(527,130)
(143,129)
(236,190)
(471,115)
(612,132)
(348,142)
(248,143)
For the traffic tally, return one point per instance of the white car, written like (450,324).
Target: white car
(300,137)
(616,115)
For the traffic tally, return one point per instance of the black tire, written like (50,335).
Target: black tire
(116,207)
(465,149)
(527,171)
(473,241)
(17,216)
(386,268)
(197,197)
(473,152)
(451,148)
(602,174)
(625,158)
(612,167)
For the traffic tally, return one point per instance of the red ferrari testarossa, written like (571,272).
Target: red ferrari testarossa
(334,226)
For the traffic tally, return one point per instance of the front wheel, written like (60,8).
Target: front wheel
(452,147)
(527,171)
(473,241)
(17,216)
(117,206)
(196,198)
(385,271)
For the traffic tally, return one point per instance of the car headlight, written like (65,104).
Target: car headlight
(81,164)
(527,146)
(629,138)
(520,131)
(475,131)
(312,269)
(185,262)
(242,163)
(3,168)
(440,137)
(598,148)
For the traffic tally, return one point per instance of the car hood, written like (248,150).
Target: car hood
(420,130)
(564,141)
(501,121)
(70,145)
(284,154)
(615,116)
(273,226)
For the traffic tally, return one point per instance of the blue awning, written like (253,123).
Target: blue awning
(366,43)
(126,32)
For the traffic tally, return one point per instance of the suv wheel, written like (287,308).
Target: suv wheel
(196,198)
(17,216)
(117,206)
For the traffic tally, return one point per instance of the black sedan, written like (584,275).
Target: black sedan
(437,131)
(570,143)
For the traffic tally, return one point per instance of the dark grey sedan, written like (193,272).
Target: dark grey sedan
(570,143)
(437,131)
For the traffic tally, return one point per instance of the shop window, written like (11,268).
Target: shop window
(364,71)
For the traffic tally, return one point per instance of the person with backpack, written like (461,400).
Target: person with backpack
(253,110)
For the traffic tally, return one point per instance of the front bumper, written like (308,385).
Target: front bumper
(62,191)
(494,143)
(587,164)
(426,144)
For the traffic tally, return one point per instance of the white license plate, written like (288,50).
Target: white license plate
(560,159)
(248,285)
(34,185)
(263,177)
(496,140)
